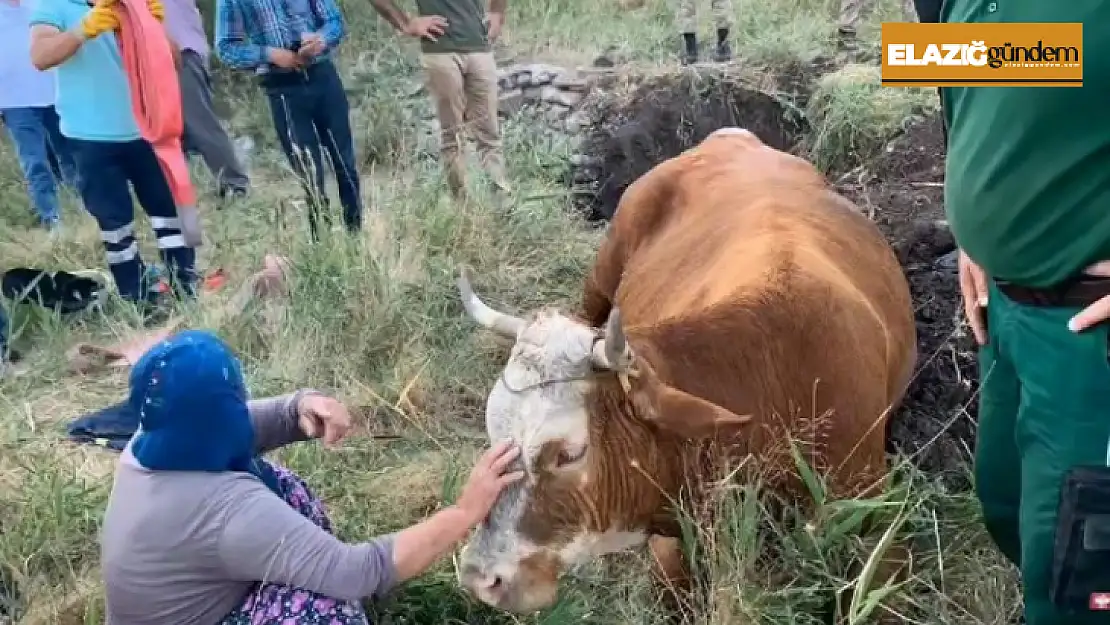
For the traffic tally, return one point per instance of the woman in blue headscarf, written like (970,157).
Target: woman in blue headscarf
(201,529)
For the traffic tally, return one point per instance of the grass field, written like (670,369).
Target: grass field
(376,321)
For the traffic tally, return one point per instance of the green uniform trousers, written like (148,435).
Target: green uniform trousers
(1044,407)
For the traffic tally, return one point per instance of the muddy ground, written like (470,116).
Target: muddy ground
(903,186)
(900,187)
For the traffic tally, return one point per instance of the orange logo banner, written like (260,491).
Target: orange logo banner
(982,55)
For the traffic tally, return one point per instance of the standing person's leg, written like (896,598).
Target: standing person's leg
(107,197)
(153,192)
(26,130)
(722,16)
(332,118)
(444,75)
(997,462)
(291,111)
(686,18)
(60,147)
(480,114)
(1063,422)
(203,131)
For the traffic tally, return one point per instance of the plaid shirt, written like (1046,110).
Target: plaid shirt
(246,28)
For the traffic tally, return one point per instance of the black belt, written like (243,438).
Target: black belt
(277,78)
(1077,293)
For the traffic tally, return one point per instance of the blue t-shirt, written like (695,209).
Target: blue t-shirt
(93,97)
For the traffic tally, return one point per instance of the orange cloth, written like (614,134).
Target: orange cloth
(156,100)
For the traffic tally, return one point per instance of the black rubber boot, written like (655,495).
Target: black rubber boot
(690,48)
(723,53)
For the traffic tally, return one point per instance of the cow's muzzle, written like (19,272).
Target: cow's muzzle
(521,588)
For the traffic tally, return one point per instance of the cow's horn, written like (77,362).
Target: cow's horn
(612,352)
(501,323)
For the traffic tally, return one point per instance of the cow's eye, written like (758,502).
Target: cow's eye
(569,456)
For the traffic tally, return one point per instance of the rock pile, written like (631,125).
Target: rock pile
(551,92)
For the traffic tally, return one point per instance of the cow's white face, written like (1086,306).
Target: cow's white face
(540,397)
(549,521)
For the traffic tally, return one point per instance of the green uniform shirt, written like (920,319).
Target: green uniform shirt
(466,28)
(1027,183)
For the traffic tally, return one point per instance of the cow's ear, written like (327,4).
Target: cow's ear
(679,412)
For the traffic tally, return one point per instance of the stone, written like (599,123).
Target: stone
(600,78)
(556,113)
(510,102)
(576,122)
(534,94)
(556,95)
(949,262)
(571,83)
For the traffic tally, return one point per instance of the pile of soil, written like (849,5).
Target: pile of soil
(665,115)
(902,187)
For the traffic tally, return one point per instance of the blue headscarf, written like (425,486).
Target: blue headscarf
(192,404)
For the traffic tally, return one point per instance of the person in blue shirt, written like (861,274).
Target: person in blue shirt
(288,45)
(94,106)
(27,111)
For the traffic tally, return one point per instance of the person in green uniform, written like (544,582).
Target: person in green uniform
(1027,194)
(455,38)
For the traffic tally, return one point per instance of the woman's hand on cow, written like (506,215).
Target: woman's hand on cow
(320,416)
(487,479)
(973,287)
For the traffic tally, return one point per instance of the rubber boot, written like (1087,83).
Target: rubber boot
(723,53)
(690,48)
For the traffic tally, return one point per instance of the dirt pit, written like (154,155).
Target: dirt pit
(663,116)
(936,425)
(901,188)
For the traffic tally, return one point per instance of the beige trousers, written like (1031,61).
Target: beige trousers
(687,14)
(463,87)
(851,10)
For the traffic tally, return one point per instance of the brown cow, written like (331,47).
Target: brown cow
(735,294)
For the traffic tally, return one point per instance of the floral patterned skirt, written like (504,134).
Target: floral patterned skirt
(274,604)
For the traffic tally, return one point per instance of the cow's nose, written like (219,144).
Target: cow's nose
(485,584)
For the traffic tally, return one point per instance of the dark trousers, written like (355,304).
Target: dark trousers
(203,132)
(310,110)
(1043,409)
(106,169)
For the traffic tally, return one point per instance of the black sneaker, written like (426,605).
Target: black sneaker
(723,53)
